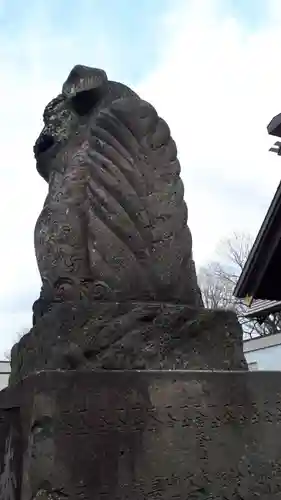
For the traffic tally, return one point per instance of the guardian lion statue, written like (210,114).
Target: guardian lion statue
(114,222)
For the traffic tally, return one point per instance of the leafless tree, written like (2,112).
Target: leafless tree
(18,336)
(216,292)
(218,279)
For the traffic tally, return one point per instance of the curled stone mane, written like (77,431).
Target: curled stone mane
(114,162)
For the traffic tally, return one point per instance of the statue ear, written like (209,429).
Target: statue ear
(84,87)
(84,101)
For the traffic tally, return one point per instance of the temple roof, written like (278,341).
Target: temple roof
(261,275)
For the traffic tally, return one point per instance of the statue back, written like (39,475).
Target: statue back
(115,219)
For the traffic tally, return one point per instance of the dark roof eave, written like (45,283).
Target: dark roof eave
(274,127)
(246,285)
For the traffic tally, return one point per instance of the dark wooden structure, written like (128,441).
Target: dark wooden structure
(259,282)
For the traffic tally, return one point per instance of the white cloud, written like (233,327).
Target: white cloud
(34,65)
(218,86)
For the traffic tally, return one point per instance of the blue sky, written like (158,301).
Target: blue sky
(130,29)
(251,13)
(211,69)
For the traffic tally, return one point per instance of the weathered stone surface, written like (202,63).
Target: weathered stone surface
(127,335)
(114,221)
(144,434)
(119,291)
(11,450)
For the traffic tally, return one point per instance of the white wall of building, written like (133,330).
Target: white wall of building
(264,353)
(4,374)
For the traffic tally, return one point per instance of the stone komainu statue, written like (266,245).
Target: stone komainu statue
(114,222)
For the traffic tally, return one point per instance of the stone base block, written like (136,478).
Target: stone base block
(130,335)
(141,434)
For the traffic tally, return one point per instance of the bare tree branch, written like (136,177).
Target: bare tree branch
(18,336)
(218,279)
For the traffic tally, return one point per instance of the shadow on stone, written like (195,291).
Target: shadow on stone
(147,434)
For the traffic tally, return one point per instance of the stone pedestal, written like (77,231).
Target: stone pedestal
(141,434)
(129,335)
